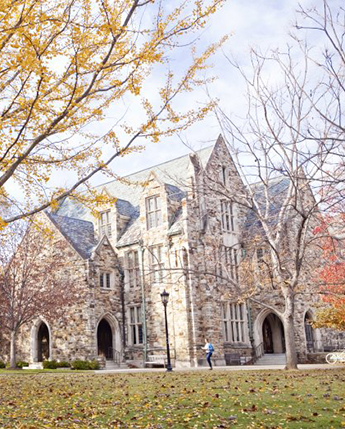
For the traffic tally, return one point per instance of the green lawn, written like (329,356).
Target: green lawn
(199,399)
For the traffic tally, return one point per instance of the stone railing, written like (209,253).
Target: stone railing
(258,352)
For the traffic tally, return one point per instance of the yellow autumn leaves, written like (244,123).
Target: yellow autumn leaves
(64,64)
(187,399)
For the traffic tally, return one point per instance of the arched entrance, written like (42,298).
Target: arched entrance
(267,337)
(105,339)
(273,334)
(309,332)
(43,343)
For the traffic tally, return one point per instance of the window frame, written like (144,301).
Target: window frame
(235,322)
(232,261)
(224,174)
(153,214)
(227,216)
(105,227)
(135,325)
(260,254)
(106,280)
(132,267)
(156,263)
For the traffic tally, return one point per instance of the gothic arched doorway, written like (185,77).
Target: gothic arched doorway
(309,332)
(43,343)
(267,337)
(273,334)
(105,339)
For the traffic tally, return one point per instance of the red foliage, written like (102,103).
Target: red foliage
(332,276)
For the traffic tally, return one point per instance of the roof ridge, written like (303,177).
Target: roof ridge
(155,166)
(260,182)
(70,217)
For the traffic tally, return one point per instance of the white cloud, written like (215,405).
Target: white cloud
(261,23)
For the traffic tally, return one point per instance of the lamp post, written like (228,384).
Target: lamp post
(165,299)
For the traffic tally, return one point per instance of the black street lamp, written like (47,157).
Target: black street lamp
(165,300)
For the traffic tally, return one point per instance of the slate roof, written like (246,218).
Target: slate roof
(128,189)
(175,193)
(132,234)
(79,233)
(75,221)
(277,190)
(172,172)
(125,208)
(176,225)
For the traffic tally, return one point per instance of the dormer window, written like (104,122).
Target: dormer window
(153,211)
(105,223)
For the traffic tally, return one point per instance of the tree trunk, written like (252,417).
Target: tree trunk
(13,349)
(289,331)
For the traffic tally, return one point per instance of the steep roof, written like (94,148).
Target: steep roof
(79,233)
(128,189)
(277,190)
(75,220)
(172,172)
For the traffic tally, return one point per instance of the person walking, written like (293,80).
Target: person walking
(209,350)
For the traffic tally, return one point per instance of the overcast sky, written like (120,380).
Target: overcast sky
(259,23)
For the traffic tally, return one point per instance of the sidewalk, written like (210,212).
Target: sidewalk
(222,368)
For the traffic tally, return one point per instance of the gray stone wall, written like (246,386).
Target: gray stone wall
(74,335)
(193,274)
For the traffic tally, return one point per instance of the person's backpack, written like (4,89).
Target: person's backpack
(210,348)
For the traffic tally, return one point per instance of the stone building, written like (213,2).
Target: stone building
(164,231)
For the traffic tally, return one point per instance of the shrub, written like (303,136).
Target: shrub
(50,364)
(80,364)
(85,365)
(21,363)
(2,364)
(63,364)
(94,365)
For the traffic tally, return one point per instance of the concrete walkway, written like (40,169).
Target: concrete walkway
(222,368)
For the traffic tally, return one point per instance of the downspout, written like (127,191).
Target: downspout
(143,300)
(250,328)
(122,297)
(190,285)
(92,320)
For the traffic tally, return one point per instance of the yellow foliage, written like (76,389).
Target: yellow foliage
(64,63)
(330,317)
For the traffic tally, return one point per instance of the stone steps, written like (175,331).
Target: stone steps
(34,365)
(111,365)
(272,359)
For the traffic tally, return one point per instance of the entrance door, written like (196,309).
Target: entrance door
(105,339)
(43,343)
(309,334)
(267,337)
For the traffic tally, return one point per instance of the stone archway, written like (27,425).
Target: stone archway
(309,332)
(108,337)
(105,340)
(273,334)
(312,336)
(40,341)
(268,332)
